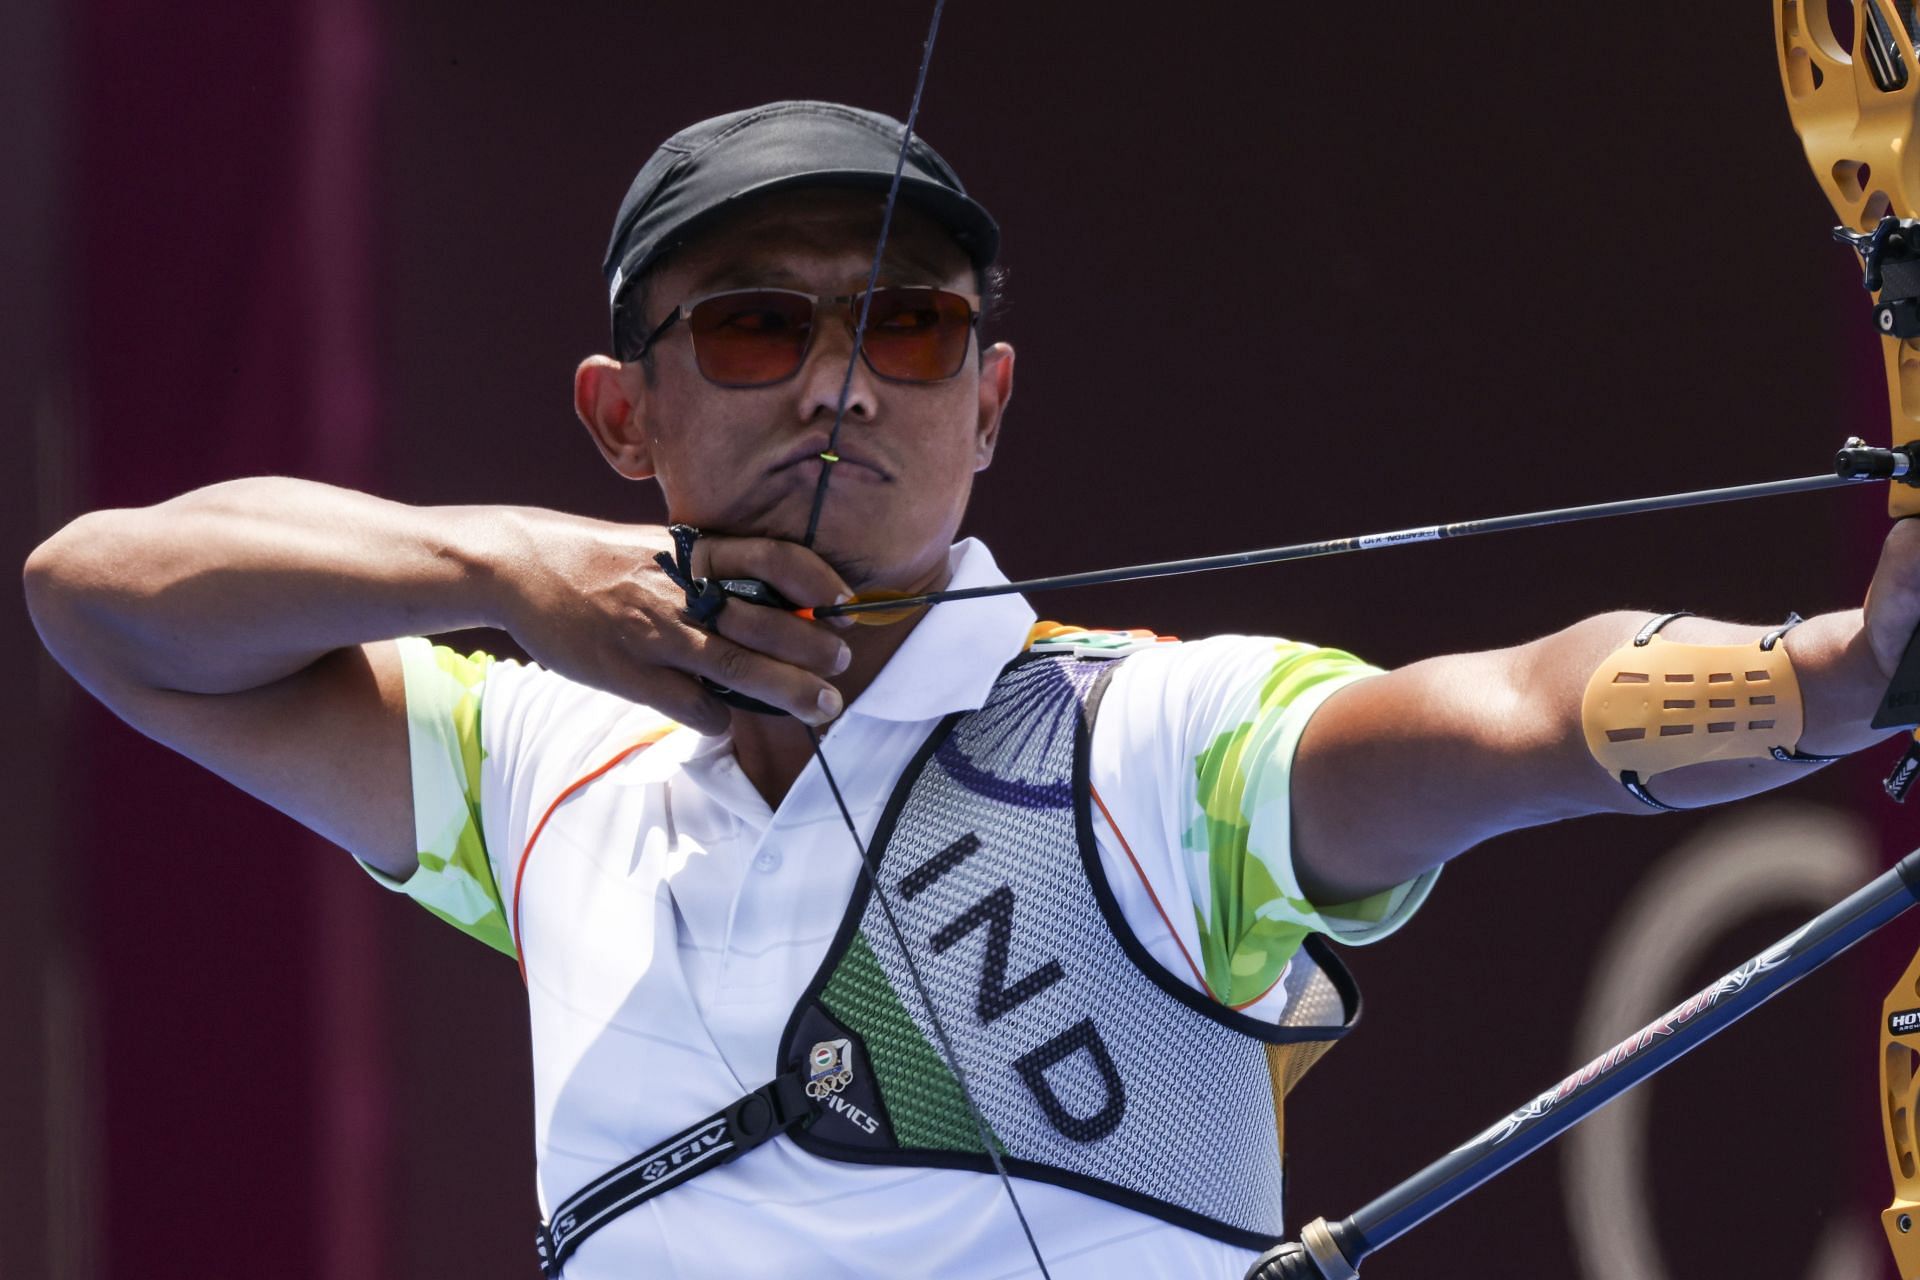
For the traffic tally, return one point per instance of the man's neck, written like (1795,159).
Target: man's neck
(773,749)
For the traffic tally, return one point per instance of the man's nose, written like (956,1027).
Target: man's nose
(826,371)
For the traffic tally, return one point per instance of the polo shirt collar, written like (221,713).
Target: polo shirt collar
(956,651)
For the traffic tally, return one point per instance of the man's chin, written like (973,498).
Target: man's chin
(857,570)
(860,575)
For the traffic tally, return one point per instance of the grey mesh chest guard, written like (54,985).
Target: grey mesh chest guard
(1092,1066)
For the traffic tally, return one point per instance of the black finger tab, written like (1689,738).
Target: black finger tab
(705,597)
(754,591)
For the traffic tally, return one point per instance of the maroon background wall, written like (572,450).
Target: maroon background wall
(1278,272)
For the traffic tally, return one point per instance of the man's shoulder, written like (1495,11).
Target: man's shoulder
(1092,642)
(528,708)
(1169,665)
(1227,677)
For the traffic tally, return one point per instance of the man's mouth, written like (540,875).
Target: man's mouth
(810,456)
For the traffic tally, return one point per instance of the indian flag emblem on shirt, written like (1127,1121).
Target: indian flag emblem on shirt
(829,1068)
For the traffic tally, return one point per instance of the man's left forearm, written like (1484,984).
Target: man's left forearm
(1400,773)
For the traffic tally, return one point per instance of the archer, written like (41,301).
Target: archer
(1077,935)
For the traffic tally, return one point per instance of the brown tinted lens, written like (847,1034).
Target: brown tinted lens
(917,335)
(752,337)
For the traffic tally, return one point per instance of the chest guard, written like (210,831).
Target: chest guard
(1092,1067)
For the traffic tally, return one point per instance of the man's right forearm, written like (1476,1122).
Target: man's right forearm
(240,584)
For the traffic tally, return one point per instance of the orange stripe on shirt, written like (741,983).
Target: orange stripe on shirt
(1151,895)
(520,873)
(1155,899)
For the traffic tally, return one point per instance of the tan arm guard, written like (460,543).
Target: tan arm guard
(1654,705)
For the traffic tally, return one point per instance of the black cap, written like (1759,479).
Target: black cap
(708,169)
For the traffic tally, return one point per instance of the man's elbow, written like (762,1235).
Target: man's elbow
(64,575)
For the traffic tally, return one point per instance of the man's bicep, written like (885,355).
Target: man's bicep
(1399,773)
(327,746)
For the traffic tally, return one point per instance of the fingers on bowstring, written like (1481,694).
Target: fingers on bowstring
(796,572)
(781,635)
(805,696)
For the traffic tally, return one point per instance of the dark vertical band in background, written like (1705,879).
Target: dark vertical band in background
(46,1151)
(338,254)
(225,160)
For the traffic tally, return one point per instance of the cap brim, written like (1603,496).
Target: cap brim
(970,225)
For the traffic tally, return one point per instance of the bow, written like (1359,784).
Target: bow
(1854,95)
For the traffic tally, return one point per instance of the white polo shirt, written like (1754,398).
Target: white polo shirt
(667,921)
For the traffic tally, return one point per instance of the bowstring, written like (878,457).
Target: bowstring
(926,1002)
(831,454)
(867,866)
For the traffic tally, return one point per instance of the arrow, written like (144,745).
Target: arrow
(1856,463)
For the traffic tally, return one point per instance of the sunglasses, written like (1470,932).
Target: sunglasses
(757,337)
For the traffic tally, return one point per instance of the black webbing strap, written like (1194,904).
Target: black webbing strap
(1790,755)
(741,1126)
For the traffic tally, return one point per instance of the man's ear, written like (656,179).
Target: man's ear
(996,389)
(607,396)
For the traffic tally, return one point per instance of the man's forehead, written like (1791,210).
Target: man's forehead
(794,231)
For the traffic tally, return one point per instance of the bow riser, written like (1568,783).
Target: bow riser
(1899,1099)
(1855,134)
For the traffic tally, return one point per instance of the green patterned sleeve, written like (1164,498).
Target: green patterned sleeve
(455,879)
(1242,734)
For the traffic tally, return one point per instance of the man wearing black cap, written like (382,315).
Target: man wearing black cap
(1090,961)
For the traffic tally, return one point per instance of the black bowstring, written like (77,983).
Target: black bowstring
(827,458)
(926,1002)
(831,454)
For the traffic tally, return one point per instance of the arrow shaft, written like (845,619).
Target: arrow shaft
(1360,542)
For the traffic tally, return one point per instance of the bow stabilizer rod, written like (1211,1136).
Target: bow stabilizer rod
(1333,1251)
(1855,463)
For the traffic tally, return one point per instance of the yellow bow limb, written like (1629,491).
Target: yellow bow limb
(1899,1095)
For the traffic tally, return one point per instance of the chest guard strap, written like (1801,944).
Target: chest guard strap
(723,1136)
